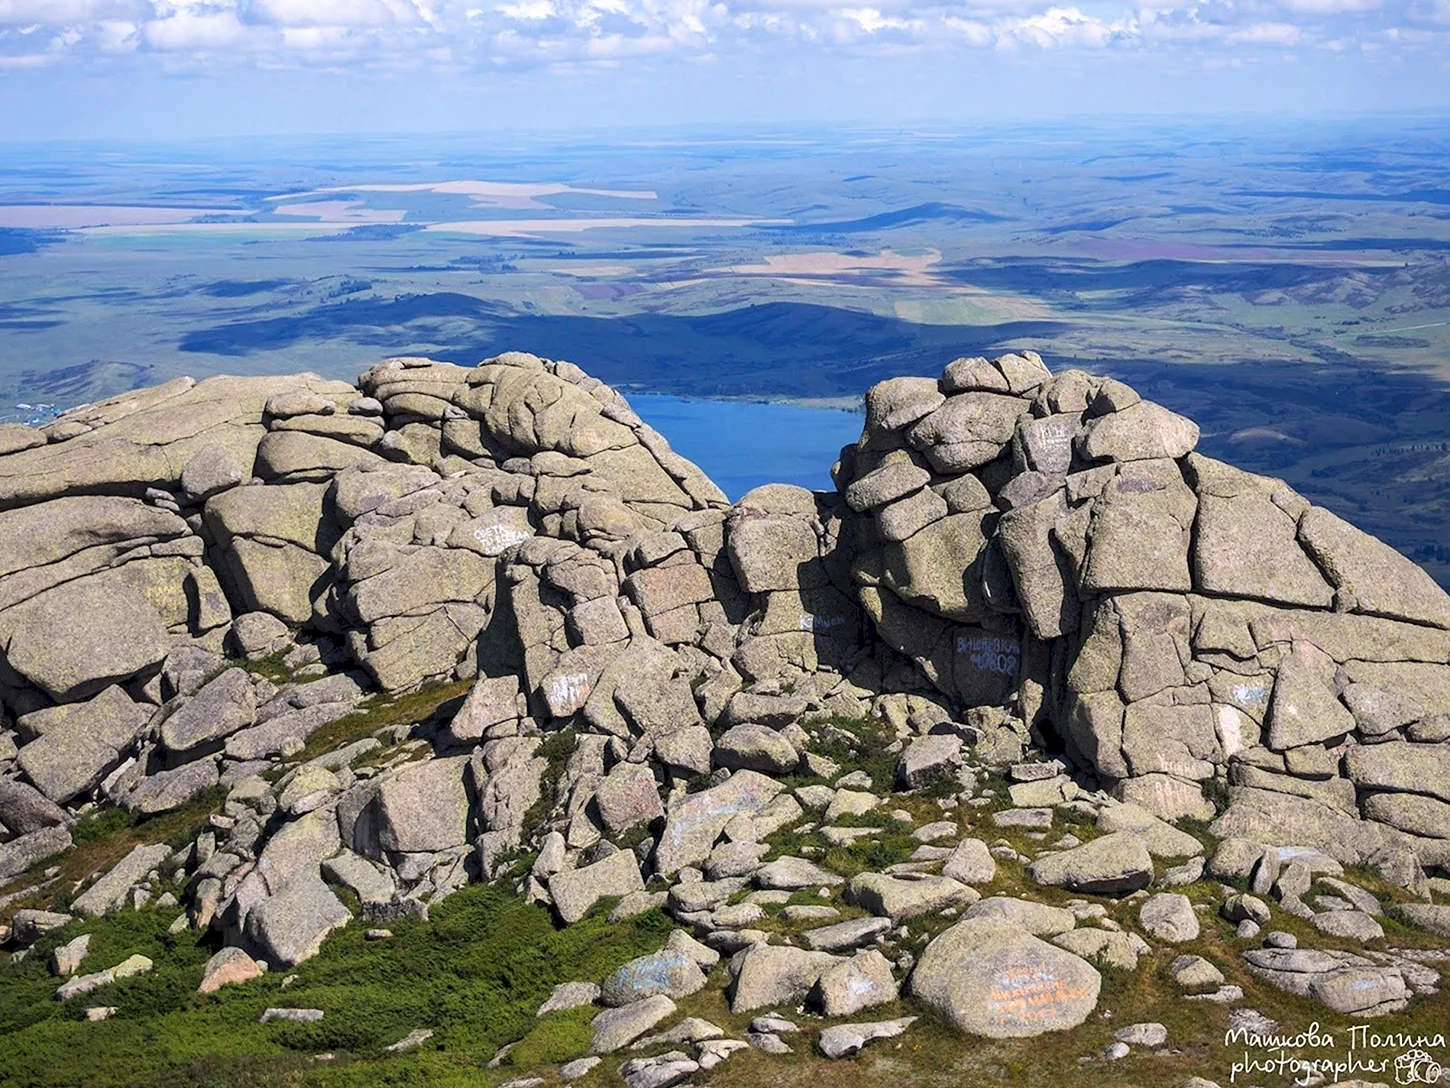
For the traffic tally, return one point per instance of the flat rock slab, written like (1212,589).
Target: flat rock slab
(108,893)
(845,936)
(616,1028)
(1116,864)
(1038,919)
(843,1040)
(1434,918)
(897,899)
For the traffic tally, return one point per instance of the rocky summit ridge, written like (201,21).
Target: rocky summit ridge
(1019,573)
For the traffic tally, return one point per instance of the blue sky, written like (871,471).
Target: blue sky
(180,68)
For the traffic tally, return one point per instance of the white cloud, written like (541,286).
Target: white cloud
(335,13)
(404,34)
(1268,34)
(185,30)
(117,36)
(1057,27)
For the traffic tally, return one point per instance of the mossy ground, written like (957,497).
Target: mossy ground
(474,974)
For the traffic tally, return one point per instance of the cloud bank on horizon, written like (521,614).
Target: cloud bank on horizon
(520,39)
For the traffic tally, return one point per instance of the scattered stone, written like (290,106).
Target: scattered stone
(415,1038)
(291,1016)
(844,1040)
(229,966)
(617,1028)
(1115,864)
(569,995)
(1169,917)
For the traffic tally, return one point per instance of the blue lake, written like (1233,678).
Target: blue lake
(741,445)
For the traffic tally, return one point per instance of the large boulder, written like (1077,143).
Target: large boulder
(695,821)
(1115,864)
(424,807)
(992,979)
(75,640)
(225,705)
(81,742)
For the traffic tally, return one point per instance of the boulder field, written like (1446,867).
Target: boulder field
(1019,573)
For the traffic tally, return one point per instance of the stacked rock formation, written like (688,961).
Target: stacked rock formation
(1054,543)
(1014,561)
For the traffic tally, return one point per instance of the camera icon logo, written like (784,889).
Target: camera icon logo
(1417,1067)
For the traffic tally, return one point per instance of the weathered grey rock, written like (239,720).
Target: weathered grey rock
(73,756)
(694,822)
(1169,917)
(616,1028)
(423,808)
(776,975)
(670,972)
(1162,839)
(80,637)
(1114,864)
(1245,908)
(109,892)
(569,995)
(85,984)
(927,759)
(1435,918)
(291,1016)
(1104,947)
(169,790)
(845,936)
(67,958)
(29,925)
(1398,768)
(256,635)
(574,891)
(663,1071)
(210,470)
(308,790)
(492,701)
(1350,924)
(29,850)
(755,748)
(289,927)
(792,873)
(1379,580)
(1038,919)
(1345,982)
(627,797)
(1144,431)
(1149,1034)
(218,710)
(898,899)
(992,979)
(862,982)
(15,437)
(1304,709)
(24,809)
(970,862)
(843,1040)
(1195,973)
(371,885)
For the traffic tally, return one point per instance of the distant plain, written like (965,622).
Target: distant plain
(1286,286)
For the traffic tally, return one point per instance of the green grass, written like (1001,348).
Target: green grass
(474,974)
